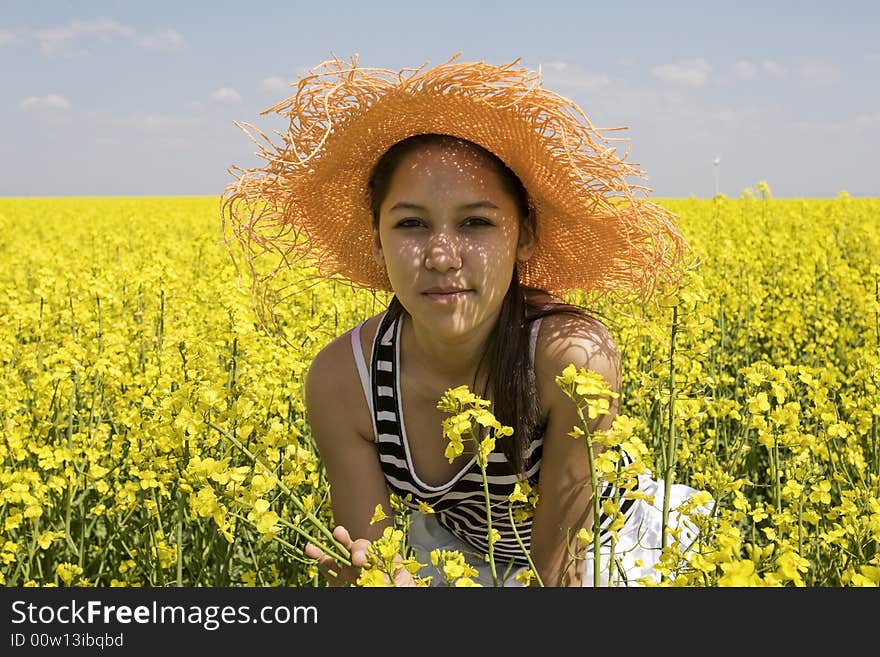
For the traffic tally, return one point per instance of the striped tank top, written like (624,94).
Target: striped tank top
(459,504)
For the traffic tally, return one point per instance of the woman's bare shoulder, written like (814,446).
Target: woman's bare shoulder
(337,355)
(333,381)
(580,340)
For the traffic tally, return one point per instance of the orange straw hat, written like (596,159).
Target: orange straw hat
(310,205)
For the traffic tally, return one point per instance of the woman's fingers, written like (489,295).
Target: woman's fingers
(338,575)
(357,548)
(334,572)
(327,565)
(359,552)
(341,534)
(313,551)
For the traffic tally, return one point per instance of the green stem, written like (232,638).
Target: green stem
(179,538)
(876,312)
(774,463)
(594,486)
(294,549)
(340,550)
(157,563)
(488,516)
(331,549)
(671,447)
(522,546)
(71,484)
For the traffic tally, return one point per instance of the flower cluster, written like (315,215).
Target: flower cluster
(131,360)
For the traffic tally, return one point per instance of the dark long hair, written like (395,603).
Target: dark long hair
(510,377)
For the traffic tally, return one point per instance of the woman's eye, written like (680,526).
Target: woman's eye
(409,223)
(477,221)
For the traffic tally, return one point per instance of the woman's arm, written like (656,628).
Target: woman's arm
(565,500)
(338,416)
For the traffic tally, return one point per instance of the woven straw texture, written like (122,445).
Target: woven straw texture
(309,204)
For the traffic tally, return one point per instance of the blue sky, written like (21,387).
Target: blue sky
(110,98)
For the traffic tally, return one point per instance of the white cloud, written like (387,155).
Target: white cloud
(774,69)
(744,70)
(64,40)
(819,72)
(563,75)
(844,128)
(273,84)
(60,39)
(866,121)
(163,129)
(44,103)
(226,95)
(749,115)
(149,123)
(166,41)
(692,72)
(7,37)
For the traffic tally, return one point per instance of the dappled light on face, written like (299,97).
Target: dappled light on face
(448,230)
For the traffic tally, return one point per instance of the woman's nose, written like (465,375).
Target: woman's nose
(442,253)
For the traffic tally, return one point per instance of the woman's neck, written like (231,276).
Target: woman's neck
(452,360)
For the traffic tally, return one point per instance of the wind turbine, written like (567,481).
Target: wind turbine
(715,163)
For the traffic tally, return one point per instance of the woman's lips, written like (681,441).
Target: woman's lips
(446,296)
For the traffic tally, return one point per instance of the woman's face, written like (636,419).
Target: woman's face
(448,238)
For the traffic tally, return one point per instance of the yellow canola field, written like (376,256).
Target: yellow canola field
(152,434)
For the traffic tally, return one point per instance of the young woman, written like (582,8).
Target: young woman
(471,193)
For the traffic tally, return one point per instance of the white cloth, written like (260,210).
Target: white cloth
(636,551)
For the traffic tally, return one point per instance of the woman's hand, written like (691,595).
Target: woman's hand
(343,575)
(336,574)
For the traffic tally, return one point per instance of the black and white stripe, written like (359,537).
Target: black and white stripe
(459,503)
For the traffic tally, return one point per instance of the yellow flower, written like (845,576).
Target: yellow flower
(373,577)
(568,375)
(739,573)
(639,495)
(67,571)
(13,521)
(466,582)
(517,495)
(759,404)
(868,576)
(763,188)
(454,449)
(606,462)
(525,576)
(265,520)
(33,511)
(261,484)
(584,537)
(790,566)
(821,492)
(7,553)
(486,447)
(597,407)
(378,515)
(454,398)
(587,389)
(453,565)
(45,539)
(389,544)
(486,419)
